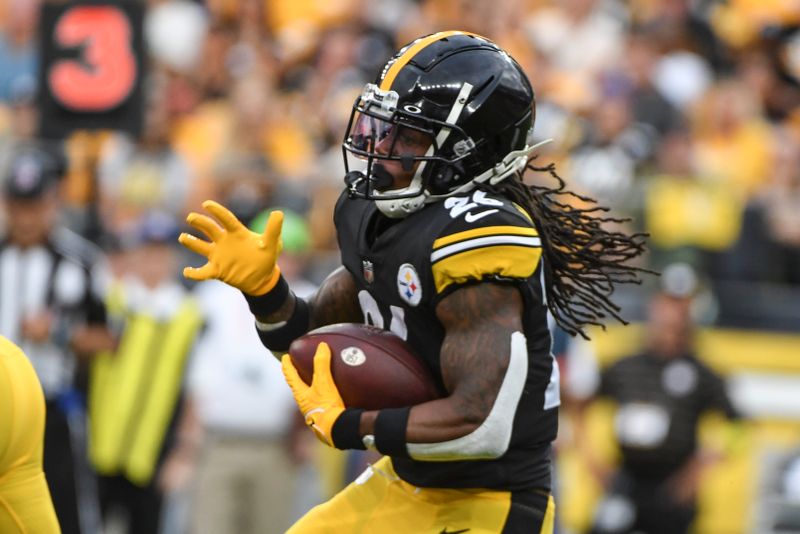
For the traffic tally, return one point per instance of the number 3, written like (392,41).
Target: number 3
(106,73)
(373,315)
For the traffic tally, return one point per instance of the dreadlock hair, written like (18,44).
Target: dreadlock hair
(583,258)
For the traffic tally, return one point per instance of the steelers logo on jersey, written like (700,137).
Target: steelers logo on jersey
(408,284)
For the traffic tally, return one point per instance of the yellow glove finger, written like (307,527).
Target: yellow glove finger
(321,403)
(206,272)
(206,225)
(198,246)
(323,380)
(225,217)
(292,377)
(272,230)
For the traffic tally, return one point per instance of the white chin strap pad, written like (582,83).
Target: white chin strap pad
(401,207)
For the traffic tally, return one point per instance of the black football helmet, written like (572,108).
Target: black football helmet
(465,102)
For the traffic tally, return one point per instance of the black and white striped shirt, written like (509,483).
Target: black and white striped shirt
(64,277)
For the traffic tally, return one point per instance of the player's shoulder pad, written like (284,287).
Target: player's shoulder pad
(487,236)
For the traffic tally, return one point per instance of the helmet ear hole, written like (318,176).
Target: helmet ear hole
(445,176)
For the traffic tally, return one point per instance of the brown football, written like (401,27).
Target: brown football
(372,368)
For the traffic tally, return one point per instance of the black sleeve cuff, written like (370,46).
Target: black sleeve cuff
(278,340)
(345,432)
(269,302)
(390,431)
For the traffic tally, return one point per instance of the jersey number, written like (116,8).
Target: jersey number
(373,315)
(105,74)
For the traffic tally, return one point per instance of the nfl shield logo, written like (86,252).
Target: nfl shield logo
(368,271)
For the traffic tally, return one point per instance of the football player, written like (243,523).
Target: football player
(443,244)
(25,503)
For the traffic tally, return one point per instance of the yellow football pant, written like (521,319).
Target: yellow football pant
(25,504)
(378,501)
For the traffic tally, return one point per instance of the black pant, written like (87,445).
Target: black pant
(635,504)
(61,470)
(141,506)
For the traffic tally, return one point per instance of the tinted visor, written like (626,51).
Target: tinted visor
(373,136)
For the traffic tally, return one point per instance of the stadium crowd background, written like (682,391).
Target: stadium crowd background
(684,115)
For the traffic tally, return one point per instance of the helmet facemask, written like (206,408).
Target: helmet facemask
(383,136)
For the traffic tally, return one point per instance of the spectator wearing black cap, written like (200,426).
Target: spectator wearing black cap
(50,305)
(660,394)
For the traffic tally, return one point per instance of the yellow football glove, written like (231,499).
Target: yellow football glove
(237,256)
(319,403)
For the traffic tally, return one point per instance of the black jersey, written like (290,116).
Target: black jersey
(660,401)
(403,268)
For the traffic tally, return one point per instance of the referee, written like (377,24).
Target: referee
(660,395)
(50,306)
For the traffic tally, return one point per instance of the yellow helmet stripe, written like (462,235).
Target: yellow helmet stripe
(408,55)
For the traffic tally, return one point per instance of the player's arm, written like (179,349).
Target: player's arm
(335,301)
(484,366)
(247,261)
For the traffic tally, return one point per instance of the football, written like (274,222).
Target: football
(372,368)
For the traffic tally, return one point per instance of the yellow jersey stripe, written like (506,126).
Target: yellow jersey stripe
(408,55)
(482,232)
(507,261)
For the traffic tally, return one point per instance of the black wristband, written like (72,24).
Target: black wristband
(278,340)
(269,302)
(390,431)
(345,432)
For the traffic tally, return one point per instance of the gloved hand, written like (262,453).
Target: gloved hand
(321,404)
(237,256)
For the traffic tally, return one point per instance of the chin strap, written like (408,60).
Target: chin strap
(512,163)
(397,208)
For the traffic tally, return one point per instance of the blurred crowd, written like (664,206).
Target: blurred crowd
(683,115)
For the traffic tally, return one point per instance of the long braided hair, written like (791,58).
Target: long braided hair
(583,258)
